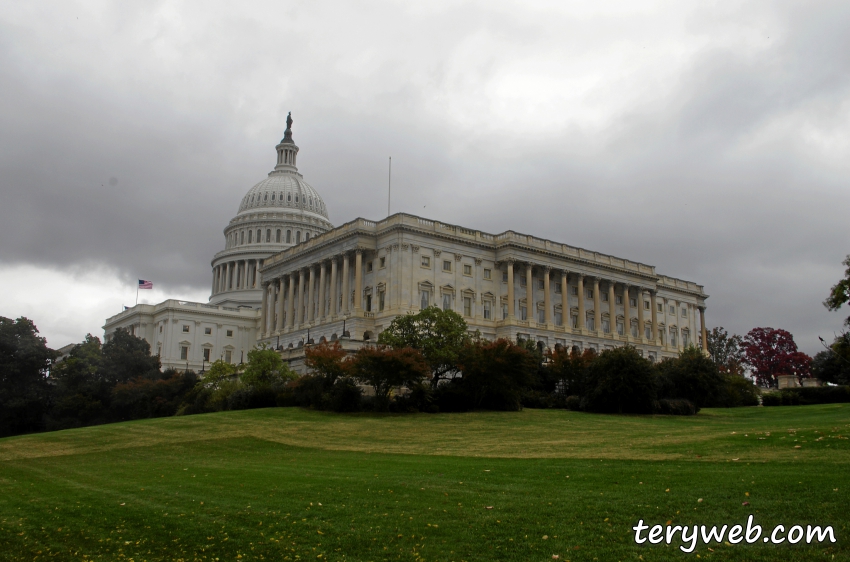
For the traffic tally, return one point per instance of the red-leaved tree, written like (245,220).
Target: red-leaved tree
(770,352)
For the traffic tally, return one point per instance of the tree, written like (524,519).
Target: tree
(327,360)
(384,368)
(80,395)
(219,373)
(692,376)
(125,357)
(772,352)
(24,362)
(840,292)
(833,364)
(569,368)
(496,373)
(726,351)
(620,381)
(438,334)
(265,368)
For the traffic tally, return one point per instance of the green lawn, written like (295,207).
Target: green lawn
(290,484)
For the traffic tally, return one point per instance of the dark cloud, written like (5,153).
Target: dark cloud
(128,139)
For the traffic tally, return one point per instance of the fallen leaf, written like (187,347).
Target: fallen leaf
(746,503)
(699,500)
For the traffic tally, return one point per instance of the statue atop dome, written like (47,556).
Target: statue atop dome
(287,134)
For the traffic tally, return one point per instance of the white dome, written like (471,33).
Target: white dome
(283,191)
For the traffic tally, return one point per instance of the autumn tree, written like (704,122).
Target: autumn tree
(726,351)
(385,368)
(327,360)
(569,368)
(772,352)
(438,334)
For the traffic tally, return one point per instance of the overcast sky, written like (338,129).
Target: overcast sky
(710,140)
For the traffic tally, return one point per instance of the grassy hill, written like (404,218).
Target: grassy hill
(290,484)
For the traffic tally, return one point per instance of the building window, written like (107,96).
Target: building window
(467,306)
(541,316)
(660,307)
(298,236)
(487,273)
(368,303)
(557,288)
(447,302)
(207,331)
(447,265)
(160,329)
(423,300)
(573,321)
(368,266)
(618,299)
(574,291)
(589,293)
(250,236)
(306,236)
(184,352)
(673,338)
(186,328)
(522,282)
(229,333)
(228,356)
(604,297)
(672,310)
(289,237)
(684,315)
(426,261)
(523,313)
(504,277)
(685,338)
(541,284)
(259,236)
(633,302)
(467,270)
(559,319)
(381,301)
(591,325)
(504,311)
(277,236)
(606,326)
(206,354)
(383,262)
(487,311)
(647,332)
(243,237)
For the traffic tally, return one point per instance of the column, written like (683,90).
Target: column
(345,283)
(627,314)
(227,277)
(300,297)
(641,321)
(263,312)
(547,308)
(290,303)
(582,317)
(214,278)
(333,309)
(358,280)
(322,292)
(654,316)
(270,313)
(565,300)
(256,271)
(702,328)
(511,310)
(311,296)
(612,309)
(529,295)
(280,309)
(244,274)
(597,312)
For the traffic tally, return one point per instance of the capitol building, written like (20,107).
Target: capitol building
(287,278)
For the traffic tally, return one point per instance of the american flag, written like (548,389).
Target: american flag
(145,284)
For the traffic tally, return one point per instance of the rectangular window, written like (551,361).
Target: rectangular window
(633,302)
(384,262)
(368,303)
(447,302)
(589,293)
(206,354)
(604,297)
(368,266)
(559,319)
(504,311)
(423,299)
(684,315)
(228,356)
(487,312)
(618,300)
(574,291)
(160,329)
(467,270)
(504,277)
(541,284)
(208,331)
(184,352)
(447,265)
(673,337)
(487,274)
(673,310)
(522,281)
(381,301)
(574,322)
(186,328)
(541,316)
(557,288)
(426,261)
(620,328)
(523,313)
(467,306)
(647,332)
(660,307)
(591,325)
(229,333)
(606,326)
(685,339)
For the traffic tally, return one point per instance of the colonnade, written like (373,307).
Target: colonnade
(235,275)
(583,324)
(313,294)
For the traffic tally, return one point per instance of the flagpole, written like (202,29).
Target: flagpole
(137,293)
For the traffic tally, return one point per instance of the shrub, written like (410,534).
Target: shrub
(452,396)
(573,403)
(807,396)
(496,373)
(692,376)
(384,368)
(675,407)
(345,396)
(620,381)
(736,391)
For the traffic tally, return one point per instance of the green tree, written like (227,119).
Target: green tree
(833,364)
(265,368)
(24,363)
(569,368)
(495,374)
(726,351)
(219,373)
(840,292)
(620,381)
(438,334)
(692,376)
(125,357)
(385,368)
(80,395)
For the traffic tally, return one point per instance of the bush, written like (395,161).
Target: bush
(692,376)
(345,396)
(573,403)
(808,396)
(620,381)
(675,407)
(452,396)
(737,391)
(495,374)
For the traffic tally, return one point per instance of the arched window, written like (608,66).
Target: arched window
(289,237)
(289,197)
(273,194)
(277,236)
(268,235)
(298,237)
(249,236)
(259,236)
(243,237)
(296,199)
(266,197)
(306,236)
(252,199)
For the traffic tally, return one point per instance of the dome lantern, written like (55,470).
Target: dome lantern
(287,150)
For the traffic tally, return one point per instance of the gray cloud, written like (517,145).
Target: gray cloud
(711,145)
